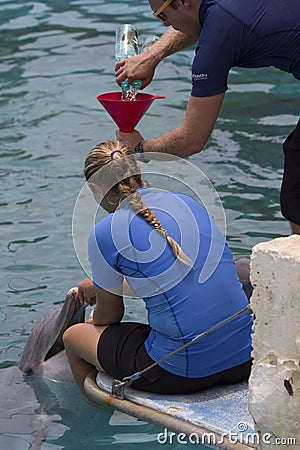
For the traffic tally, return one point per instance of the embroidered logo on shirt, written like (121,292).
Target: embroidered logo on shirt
(199,76)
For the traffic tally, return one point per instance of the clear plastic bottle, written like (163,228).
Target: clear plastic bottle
(126,45)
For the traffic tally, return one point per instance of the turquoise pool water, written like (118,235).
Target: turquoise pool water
(56,57)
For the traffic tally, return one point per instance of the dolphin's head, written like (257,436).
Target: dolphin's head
(45,341)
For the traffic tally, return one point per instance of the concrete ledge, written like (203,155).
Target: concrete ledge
(274,385)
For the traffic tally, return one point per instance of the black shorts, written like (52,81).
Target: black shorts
(121,353)
(290,188)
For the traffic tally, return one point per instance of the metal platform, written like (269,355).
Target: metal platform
(217,417)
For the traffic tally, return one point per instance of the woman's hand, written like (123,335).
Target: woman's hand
(91,318)
(86,292)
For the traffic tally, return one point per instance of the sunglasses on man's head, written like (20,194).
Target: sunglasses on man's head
(159,12)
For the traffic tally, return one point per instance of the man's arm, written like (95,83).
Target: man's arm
(142,66)
(171,41)
(200,118)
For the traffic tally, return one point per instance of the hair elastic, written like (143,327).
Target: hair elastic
(113,152)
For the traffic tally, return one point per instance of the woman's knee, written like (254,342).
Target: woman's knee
(71,334)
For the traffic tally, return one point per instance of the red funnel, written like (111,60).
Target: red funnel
(126,113)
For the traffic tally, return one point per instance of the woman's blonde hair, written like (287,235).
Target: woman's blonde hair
(106,165)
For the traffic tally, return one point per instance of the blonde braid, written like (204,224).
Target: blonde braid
(150,217)
(135,201)
(126,170)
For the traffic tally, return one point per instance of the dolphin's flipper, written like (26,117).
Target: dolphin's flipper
(45,340)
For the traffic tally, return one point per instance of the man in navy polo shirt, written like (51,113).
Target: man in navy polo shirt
(230,33)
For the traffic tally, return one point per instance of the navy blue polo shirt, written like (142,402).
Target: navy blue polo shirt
(244,33)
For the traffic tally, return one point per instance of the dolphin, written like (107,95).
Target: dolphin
(44,353)
(37,390)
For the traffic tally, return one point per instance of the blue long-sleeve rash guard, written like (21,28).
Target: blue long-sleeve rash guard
(182,302)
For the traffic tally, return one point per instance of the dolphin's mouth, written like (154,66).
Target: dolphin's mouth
(75,314)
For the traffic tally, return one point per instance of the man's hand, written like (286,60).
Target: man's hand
(139,67)
(86,292)
(142,66)
(130,139)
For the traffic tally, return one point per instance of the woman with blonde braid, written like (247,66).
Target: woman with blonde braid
(157,246)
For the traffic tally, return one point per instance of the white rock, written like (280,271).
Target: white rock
(274,385)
